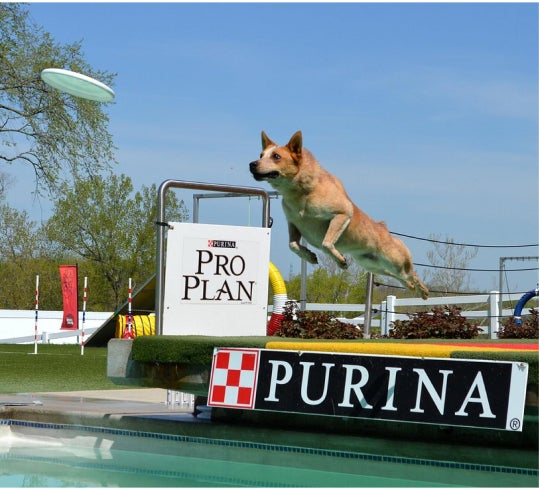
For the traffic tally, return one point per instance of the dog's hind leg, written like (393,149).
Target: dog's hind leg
(402,268)
(412,282)
(294,236)
(336,228)
(424,291)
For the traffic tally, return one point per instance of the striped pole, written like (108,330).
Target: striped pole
(37,309)
(83,314)
(129,333)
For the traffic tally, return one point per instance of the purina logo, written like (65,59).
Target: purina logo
(222,244)
(234,377)
(458,392)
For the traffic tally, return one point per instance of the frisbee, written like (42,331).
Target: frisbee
(77,84)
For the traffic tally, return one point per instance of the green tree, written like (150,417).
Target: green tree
(101,221)
(328,283)
(17,247)
(23,255)
(55,133)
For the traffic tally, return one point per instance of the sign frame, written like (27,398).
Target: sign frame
(216,280)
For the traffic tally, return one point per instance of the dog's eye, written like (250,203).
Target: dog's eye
(276,156)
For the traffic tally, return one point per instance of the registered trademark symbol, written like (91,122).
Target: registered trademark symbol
(514,424)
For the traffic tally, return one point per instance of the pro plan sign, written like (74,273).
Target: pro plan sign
(216,280)
(486,394)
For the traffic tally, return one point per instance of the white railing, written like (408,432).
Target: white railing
(47,337)
(490,315)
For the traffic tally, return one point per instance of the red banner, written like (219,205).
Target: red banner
(68,278)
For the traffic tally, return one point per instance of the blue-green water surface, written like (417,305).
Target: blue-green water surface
(48,456)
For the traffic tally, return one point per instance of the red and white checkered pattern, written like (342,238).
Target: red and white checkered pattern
(233,378)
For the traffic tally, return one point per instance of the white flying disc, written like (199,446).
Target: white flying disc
(77,84)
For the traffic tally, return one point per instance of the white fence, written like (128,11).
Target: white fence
(391,309)
(18,326)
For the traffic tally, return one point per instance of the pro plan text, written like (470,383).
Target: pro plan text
(217,277)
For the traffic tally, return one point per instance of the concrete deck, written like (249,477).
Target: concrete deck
(140,402)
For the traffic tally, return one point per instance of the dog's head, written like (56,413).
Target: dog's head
(277,162)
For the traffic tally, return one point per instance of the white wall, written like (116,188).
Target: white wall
(21,323)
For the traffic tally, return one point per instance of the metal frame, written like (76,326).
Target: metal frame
(160,245)
(218,195)
(502,270)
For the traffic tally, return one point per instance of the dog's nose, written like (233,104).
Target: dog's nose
(253,165)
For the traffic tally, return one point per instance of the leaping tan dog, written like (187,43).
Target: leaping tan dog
(318,209)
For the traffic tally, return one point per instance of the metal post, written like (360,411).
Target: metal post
(368,306)
(220,195)
(303,290)
(196,208)
(500,297)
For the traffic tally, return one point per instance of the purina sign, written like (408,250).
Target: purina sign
(216,280)
(486,394)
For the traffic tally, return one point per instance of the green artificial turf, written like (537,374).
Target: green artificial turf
(53,368)
(198,349)
(188,349)
(529,357)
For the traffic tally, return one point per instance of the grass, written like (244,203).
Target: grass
(62,368)
(54,368)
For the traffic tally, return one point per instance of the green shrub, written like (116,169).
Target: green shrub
(442,323)
(529,329)
(314,325)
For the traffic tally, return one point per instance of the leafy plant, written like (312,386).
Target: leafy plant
(529,329)
(442,323)
(314,325)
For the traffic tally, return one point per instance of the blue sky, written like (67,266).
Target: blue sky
(427,112)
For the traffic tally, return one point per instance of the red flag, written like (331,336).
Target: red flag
(68,277)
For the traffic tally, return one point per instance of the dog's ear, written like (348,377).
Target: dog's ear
(296,142)
(266,141)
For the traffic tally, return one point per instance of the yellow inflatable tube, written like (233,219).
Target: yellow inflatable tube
(280,298)
(380,348)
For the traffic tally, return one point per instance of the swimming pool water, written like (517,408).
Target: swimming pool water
(60,455)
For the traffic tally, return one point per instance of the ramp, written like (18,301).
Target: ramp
(142,303)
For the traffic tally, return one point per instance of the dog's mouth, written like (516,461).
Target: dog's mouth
(267,176)
(253,167)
